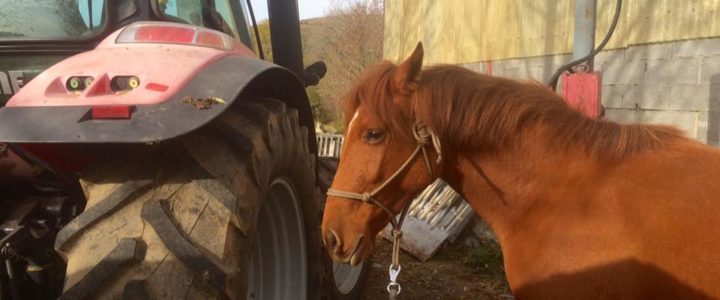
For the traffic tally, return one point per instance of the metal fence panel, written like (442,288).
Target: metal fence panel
(329,145)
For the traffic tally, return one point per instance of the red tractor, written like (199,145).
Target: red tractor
(166,162)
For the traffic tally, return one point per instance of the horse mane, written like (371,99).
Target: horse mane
(489,113)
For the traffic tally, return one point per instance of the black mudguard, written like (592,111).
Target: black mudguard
(227,78)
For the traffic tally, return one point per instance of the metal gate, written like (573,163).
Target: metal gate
(329,145)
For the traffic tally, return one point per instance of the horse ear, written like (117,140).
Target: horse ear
(407,74)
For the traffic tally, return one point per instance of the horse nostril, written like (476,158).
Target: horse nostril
(332,241)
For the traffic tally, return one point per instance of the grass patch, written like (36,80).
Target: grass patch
(485,258)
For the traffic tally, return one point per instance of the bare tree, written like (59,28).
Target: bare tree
(351,40)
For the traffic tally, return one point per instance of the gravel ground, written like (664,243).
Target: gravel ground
(468,269)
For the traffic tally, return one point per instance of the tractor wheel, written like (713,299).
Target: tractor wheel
(228,211)
(349,280)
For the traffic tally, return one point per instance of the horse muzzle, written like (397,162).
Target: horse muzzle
(338,253)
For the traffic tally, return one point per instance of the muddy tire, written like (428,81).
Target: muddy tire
(226,212)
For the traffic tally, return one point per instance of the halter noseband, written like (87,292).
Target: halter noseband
(423,136)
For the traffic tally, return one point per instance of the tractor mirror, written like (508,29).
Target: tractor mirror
(314,72)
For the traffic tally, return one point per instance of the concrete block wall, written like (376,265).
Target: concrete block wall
(675,83)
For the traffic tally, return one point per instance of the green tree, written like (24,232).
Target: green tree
(319,109)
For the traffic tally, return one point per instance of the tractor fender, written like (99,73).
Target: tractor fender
(228,79)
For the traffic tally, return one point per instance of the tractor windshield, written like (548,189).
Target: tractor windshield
(50,19)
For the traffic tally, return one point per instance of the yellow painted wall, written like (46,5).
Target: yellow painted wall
(464,31)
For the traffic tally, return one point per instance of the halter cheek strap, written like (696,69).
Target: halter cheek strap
(423,136)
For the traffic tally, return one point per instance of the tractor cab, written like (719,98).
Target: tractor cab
(35,35)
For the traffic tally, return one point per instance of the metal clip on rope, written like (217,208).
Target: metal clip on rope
(394,287)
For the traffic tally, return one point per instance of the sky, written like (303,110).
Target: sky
(308,8)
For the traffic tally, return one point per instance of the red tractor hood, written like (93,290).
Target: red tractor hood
(160,62)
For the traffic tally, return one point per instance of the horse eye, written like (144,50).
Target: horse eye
(373,136)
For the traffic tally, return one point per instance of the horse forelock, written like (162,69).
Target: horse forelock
(373,93)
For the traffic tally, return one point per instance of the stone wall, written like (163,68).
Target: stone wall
(675,83)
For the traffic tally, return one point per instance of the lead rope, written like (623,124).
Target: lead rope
(424,136)
(394,287)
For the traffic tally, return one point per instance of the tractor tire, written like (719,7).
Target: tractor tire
(226,212)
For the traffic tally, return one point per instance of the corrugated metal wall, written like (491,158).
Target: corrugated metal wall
(465,31)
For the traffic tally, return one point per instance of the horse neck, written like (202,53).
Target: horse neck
(504,186)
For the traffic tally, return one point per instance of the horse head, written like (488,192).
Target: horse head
(384,161)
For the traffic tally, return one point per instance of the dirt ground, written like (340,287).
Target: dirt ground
(468,269)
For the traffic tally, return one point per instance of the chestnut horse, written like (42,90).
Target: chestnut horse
(582,208)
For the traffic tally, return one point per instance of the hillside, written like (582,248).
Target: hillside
(348,40)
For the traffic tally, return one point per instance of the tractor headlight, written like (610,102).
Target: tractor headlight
(124,83)
(78,83)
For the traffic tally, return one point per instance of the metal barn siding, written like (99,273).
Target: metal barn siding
(462,31)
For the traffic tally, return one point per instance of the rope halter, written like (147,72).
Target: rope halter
(424,137)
